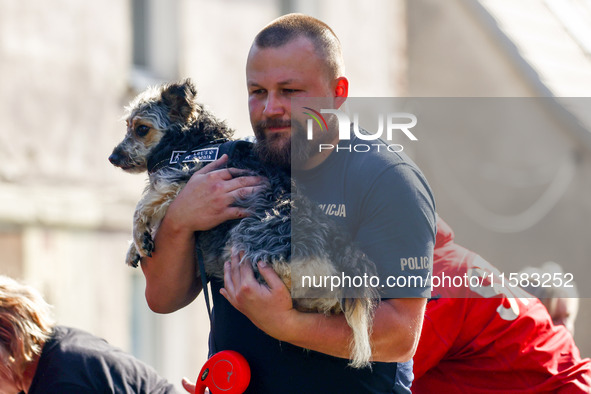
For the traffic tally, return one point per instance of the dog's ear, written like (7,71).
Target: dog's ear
(180,98)
(190,87)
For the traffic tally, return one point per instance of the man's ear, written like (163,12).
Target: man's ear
(341,91)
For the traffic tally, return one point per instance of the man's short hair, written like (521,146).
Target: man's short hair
(291,26)
(25,325)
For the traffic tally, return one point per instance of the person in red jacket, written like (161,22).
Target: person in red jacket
(487,339)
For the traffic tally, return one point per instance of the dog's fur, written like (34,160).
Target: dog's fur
(169,118)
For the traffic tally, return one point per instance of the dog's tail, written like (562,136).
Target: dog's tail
(359,314)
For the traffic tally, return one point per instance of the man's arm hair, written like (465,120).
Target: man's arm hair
(395,333)
(171,277)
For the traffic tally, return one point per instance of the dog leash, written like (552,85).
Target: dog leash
(225,372)
(204,281)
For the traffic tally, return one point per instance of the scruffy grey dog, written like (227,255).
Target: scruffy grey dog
(170,135)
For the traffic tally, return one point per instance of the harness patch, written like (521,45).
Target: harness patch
(198,155)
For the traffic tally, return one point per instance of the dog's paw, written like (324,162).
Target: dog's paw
(147,244)
(133,257)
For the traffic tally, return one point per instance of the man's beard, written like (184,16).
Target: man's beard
(284,152)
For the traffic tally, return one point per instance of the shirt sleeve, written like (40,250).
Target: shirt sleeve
(440,330)
(397,231)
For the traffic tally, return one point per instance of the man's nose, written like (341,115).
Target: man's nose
(273,106)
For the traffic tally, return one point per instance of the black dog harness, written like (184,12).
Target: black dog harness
(205,153)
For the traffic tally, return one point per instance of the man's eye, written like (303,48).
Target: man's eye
(290,91)
(142,130)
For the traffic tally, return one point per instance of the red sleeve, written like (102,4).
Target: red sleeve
(491,341)
(440,330)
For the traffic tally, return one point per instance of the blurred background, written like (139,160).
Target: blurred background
(68,67)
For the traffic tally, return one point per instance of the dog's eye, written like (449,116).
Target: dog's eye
(142,130)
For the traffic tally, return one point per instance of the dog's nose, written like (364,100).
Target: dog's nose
(115,158)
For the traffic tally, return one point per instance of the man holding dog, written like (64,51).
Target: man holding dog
(298,56)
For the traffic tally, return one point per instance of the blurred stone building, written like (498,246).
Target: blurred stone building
(519,196)
(68,67)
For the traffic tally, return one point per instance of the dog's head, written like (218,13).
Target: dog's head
(148,117)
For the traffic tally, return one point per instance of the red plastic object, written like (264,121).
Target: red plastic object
(226,372)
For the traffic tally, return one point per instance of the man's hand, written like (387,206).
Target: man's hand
(268,307)
(190,387)
(208,197)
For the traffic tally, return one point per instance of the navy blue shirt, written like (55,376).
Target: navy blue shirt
(385,203)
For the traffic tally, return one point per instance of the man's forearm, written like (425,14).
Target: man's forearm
(171,272)
(396,330)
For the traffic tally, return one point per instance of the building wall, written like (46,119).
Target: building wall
(63,77)
(519,195)
(65,212)
(67,71)
(64,70)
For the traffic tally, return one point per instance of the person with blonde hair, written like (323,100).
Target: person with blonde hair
(25,325)
(38,356)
